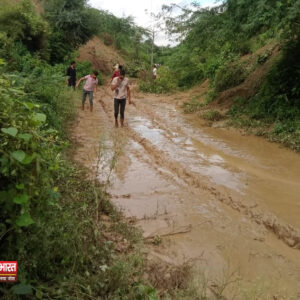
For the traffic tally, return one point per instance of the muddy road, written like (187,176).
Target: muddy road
(226,203)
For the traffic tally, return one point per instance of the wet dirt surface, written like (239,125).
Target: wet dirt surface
(227,202)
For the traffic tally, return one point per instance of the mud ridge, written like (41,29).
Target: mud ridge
(285,232)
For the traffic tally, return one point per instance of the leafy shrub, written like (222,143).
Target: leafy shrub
(136,68)
(211,96)
(212,115)
(244,47)
(29,146)
(211,66)
(165,82)
(279,96)
(49,210)
(147,86)
(192,106)
(285,127)
(72,24)
(21,23)
(228,77)
(277,101)
(238,106)
(189,77)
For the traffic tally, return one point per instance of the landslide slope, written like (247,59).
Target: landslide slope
(102,57)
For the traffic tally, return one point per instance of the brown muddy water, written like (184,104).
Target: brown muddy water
(228,204)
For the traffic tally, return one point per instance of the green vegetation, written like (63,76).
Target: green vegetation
(214,44)
(276,106)
(192,106)
(212,115)
(228,76)
(133,42)
(165,82)
(51,213)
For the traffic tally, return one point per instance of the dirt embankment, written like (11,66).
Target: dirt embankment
(102,57)
(258,64)
(255,66)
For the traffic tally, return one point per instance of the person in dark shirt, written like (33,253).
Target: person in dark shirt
(71,73)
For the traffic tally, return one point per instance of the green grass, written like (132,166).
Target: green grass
(192,106)
(282,133)
(51,211)
(212,115)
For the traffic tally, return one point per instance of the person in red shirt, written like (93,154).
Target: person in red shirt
(116,72)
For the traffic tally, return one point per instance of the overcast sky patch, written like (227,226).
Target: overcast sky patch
(137,9)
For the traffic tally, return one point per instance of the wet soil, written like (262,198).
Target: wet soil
(227,203)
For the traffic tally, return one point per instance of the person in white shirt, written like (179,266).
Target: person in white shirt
(154,72)
(90,88)
(120,86)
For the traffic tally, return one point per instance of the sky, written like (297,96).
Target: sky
(136,8)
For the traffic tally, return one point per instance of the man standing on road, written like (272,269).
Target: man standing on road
(154,72)
(71,73)
(120,85)
(89,88)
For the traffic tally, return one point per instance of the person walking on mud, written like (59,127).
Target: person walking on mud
(90,88)
(120,86)
(71,73)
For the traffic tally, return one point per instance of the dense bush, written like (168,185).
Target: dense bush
(165,82)
(49,218)
(279,96)
(72,25)
(20,23)
(228,77)
(135,67)
(28,166)
(188,77)
(213,43)
(278,100)
(212,40)
(212,115)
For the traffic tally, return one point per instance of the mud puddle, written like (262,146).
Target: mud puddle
(225,202)
(265,173)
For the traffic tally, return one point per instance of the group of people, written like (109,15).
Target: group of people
(119,84)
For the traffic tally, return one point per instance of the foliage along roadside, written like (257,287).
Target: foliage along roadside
(215,44)
(165,82)
(274,111)
(48,207)
(50,211)
(62,26)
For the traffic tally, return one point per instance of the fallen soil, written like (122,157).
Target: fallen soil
(225,203)
(253,81)
(102,57)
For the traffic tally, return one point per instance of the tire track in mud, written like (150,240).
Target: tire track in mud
(283,231)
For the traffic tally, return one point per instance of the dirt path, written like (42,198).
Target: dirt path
(230,204)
